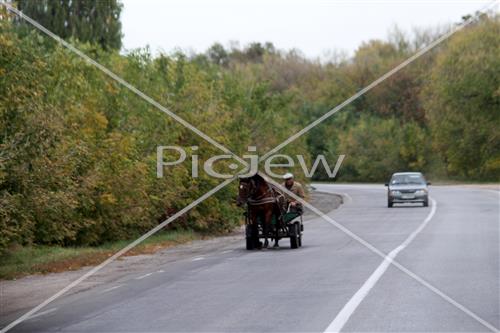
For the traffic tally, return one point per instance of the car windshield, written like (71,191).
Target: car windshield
(407,179)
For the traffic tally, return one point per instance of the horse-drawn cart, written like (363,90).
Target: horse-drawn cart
(289,226)
(268,214)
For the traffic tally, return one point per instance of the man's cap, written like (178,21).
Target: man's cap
(287,175)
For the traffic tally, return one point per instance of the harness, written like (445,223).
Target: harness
(272,195)
(264,198)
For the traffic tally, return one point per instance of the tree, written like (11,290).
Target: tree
(93,21)
(462,102)
(376,148)
(217,54)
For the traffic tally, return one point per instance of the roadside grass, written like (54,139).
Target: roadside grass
(21,261)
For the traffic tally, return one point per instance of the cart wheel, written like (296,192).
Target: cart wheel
(294,236)
(300,240)
(249,239)
(250,244)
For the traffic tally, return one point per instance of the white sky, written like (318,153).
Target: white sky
(315,27)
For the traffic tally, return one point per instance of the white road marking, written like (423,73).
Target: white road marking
(112,288)
(198,258)
(143,276)
(343,316)
(39,314)
(347,196)
(227,251)
(494,191)
(160,271)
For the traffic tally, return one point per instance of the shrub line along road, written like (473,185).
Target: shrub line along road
(230,289)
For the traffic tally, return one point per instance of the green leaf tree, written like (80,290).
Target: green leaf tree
(462,102)
(93,21)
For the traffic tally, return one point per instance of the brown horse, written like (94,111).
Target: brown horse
(263,201)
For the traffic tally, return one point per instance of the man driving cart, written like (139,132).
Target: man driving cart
(296,188)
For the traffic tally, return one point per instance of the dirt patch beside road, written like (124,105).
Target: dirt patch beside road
(323,201)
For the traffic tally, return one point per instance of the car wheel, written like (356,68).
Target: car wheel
(389,204)
(426,202)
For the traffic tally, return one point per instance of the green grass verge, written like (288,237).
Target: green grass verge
(21,261)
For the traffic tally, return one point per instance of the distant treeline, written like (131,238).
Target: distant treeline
(78,151)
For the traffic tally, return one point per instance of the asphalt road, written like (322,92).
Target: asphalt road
(333,281)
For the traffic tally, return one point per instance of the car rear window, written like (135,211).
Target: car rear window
(407,179)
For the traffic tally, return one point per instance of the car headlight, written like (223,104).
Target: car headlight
(421,192)
(393,193)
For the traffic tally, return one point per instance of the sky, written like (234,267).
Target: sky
(316,27)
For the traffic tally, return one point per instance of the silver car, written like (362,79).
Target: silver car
(407,187)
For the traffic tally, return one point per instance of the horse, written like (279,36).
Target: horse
(263,201)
